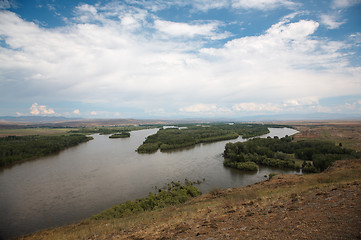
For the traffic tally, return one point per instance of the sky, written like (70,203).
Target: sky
(180,59)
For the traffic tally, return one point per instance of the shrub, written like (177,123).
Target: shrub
(271,175)
(245,166)
(177,193)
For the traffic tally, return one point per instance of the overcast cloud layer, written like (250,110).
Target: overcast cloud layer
(175,59)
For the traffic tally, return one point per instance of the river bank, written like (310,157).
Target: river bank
(315,206)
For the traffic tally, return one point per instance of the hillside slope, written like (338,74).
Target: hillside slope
(317,206)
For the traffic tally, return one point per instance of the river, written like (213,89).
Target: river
(93,176)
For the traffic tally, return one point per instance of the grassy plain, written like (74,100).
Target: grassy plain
(33,131)
(346,132)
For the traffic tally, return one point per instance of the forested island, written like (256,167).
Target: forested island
(190,135)
(17,148)
(310,155)
(120,135)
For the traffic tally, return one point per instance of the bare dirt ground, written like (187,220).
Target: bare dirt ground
(321,212)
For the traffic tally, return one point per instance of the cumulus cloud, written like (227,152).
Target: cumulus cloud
(76,111)
(256,107)
(301,102)
(199,108)
(205,109)
(184,29)
(128,58)
(37,109)
(93,113)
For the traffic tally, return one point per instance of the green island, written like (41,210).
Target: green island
(190,135)
(120,135)
(310,155)
(19,148)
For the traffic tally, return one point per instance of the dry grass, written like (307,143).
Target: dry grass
(347,133)
(33,131)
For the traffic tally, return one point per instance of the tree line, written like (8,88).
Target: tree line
(107,130)
(17,148)
(315,155)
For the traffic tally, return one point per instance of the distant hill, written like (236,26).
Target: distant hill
(46,121)
(306,116)
(35,119)
(82,122)
(285,117)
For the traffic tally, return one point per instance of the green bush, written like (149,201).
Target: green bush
(246,166)
(177,193)
(148,148)
(120,135)
(271,175)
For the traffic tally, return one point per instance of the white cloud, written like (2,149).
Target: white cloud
(76,111)
(93,113)
(257,107)
(199,108)
(331,21)
(37,109)
(179,29)
(205,109)
(263,4)
(293,31)
(344,3)
(126,62)
(205,5)
(301,102)
(355,37)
